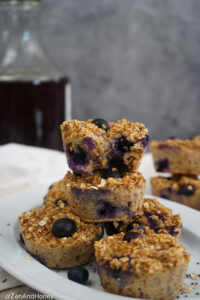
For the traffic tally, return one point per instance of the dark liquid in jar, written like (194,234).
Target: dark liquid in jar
(31,112)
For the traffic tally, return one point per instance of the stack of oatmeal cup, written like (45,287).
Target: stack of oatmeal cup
(181,158)
(104,157)
(141,256)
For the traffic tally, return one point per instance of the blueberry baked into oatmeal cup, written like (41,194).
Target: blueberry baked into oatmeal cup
(57,238)
(142,265)
(153,215)
(98,144)
(100,198)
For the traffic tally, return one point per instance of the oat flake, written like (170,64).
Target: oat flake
(187,288)
(42,223)
(194,276)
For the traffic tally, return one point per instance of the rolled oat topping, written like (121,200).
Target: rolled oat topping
(37,227)
(188,144)
(97,182)
(78,130)
(149,254)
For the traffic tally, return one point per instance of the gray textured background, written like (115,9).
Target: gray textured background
(138,59)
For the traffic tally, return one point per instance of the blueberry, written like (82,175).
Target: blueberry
(111,228)
(135,225)
(117,162)
(131,235)
(119,224)
(171,230)
(101,123)
(115,273)
(21,238)
(107,210)
(186,189)
(77,159)
(144,141)
(191,137)
(123,145)
(156,229)
(56,202)
(151,220)
(109,173)
(77,174)
(64,227)
(79,155)
(50,186)
(89,142)
(38,258)
(78,274)
(162,165)
(166,193)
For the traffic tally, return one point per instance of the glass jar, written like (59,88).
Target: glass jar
(34,91)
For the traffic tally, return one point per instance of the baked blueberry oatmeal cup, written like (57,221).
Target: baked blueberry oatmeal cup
(98,144)
(100,198)
(57,238)
(142,265)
